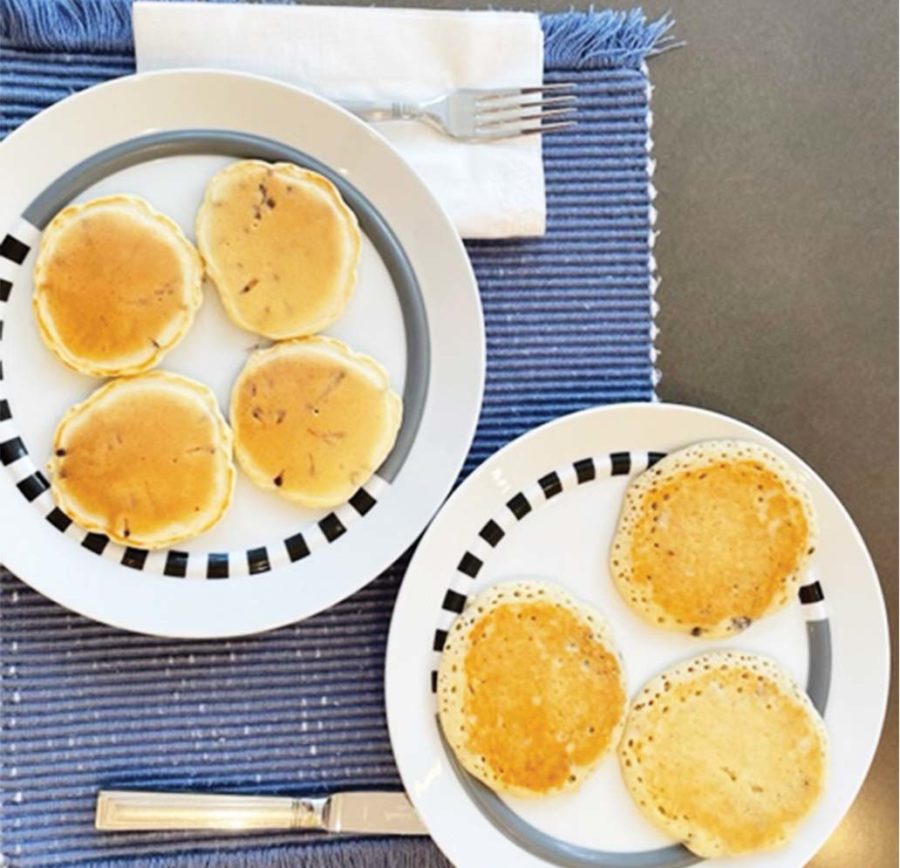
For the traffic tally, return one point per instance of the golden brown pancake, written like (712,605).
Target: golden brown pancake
(531,692)
(145,460)
(281,247)
(725,753)
(713,538)
(313,420)
(116,285)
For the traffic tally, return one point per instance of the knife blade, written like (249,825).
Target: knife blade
(370,813)
(376,813)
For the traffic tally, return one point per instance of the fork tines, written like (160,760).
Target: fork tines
(523,111)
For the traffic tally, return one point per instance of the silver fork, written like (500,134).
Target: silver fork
(481,115)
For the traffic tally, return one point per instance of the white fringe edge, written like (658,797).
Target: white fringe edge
(653,234)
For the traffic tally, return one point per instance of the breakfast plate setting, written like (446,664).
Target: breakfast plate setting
(545,519)
(394,321)
(329,528)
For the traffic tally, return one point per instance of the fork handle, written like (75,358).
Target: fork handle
(374,110)
(122,810)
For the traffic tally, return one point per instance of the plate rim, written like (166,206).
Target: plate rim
(848,795)
(84,600)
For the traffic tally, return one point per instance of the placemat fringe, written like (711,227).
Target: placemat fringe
(652,267)
(592,40)
(66,25)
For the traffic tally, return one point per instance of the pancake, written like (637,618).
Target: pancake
(116,285)
(531,691)
(725,753)
(281,247)
(713,538)
(313,420)
(145,460)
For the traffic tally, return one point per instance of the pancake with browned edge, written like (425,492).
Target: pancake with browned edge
(712,538)
(725,753)
(531,691)
(116,285)
(313,420)
(280,245)
(146,460)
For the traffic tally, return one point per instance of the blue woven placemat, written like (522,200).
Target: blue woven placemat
(569,325)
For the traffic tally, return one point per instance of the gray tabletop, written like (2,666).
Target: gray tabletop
(776,143)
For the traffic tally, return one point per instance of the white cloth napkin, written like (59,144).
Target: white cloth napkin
(490,190)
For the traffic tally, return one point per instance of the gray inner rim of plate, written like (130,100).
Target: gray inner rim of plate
(229,143)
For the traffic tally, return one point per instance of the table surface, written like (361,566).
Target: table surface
(776,144)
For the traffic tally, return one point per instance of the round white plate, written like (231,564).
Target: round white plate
(570,476)
(416,309)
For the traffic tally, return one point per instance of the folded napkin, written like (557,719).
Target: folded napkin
(491,190)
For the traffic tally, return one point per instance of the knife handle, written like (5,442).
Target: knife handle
(130,810)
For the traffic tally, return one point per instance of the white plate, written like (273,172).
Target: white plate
(840,644)
(416,309)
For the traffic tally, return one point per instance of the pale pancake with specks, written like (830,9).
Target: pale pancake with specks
(313,420)
(531,690)
(725,753)
(146,460)
(280,245)
(116,285)
(712,538)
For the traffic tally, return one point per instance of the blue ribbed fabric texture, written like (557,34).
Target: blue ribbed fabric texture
(301,709)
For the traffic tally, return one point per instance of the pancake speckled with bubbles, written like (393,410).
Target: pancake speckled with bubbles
(146,460)
(313,420)
(712,538)
(281,247)
(531,691)
(725,753)
(116,285)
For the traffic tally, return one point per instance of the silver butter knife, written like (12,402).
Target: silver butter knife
(373,813)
